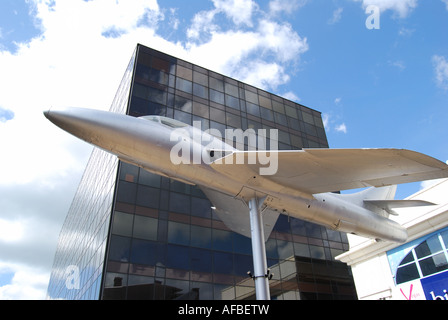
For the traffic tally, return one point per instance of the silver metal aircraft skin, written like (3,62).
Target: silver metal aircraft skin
(302,186)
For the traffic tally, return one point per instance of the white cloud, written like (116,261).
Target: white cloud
(256,55)
(341,128)
(399,64)
(401,7)
(291,96)
(441,71)
(337,15)
(405,32)
(325,120)
(332,123)
(240,11)
(446,3)
(337,101)
(78,60)
(26,283)
(279,6)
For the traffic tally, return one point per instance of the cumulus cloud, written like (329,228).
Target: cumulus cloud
(257,55)
(78,59)
(441,71)
(25,283)
(332,123)
(280,6)
(401,7)
(337,15)
(341,128)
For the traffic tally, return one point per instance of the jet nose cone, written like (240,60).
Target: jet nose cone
(47,114)
(66,118)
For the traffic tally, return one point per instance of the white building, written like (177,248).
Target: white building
(416,270)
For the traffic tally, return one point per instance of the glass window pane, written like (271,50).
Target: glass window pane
(184,85)
(157,95)
(408,258)
(291,112)
(242,264)
(200,109)
(200,78)
(231,89)
(217,115)
(200,91)
(148,197)
(242,244)
(433,264)
(216,96)
(200,207)
(149,179)
(126,192)
(265,102)
(308,118)
(201,291)
(278,106)
(267,114)
(179,202)
(222,240)
(182,116)
(430,246)
(178,289)
(445,238)
(301,249)
(122,224)
(223,262)
(233,120)
(216,84)
(201,237)
(253,109)
(144,252)
(183,104)
(145,228)
(161,64)
(128,172)
(177,257)
(119,248)
(251,97)
(285,249)
(280,119)
(271,249)
(185,73)
(407,273)
(232,102)
(317,252)
(200,260)
(115,280)
(178,233)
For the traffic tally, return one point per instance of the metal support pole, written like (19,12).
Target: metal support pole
(258,251)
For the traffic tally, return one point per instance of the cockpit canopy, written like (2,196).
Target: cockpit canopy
(166,121)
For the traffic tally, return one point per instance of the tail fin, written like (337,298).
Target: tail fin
(381,200)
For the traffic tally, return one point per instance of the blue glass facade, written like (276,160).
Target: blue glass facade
(161,239)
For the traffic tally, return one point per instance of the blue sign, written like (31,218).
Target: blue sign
(436,287)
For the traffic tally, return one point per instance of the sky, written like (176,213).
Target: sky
(376,69)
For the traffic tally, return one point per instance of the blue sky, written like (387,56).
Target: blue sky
(385,87)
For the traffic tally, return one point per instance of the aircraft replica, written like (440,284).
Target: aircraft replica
(246,194)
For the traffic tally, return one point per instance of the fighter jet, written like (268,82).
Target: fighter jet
(250,189)
(303,185)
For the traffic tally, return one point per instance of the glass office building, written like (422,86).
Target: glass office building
(130,234)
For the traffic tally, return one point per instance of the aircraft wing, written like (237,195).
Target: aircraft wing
(234,213)
(390,205)
(314,171)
